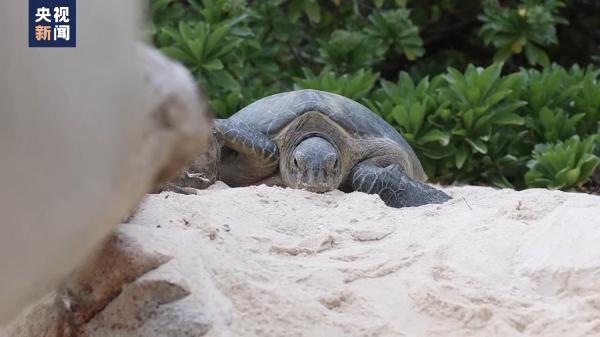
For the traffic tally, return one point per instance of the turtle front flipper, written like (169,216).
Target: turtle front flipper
(241,138)
(394,186)
(248,156)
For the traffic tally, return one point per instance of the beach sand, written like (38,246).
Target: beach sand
(268,261)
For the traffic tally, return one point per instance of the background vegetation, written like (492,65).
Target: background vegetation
(492,92)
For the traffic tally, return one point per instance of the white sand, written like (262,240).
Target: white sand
(282,262)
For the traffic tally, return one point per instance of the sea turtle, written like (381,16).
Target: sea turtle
(320,141)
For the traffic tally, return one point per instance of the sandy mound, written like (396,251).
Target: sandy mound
(263,261)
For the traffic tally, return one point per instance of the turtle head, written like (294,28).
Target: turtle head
(314,165)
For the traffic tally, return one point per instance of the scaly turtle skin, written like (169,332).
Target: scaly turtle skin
(320,141)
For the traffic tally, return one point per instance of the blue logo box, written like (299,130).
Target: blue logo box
(52,23)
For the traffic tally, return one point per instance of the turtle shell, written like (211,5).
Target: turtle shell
(271,114)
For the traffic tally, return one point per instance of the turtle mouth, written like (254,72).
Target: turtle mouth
(315,181)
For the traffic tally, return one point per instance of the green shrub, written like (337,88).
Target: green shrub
(354,86)
(563,165)
(349,51)
(415,112)
(205,50)
(530,26)
(480,101)
(558,99)
(587,101)
(395,29)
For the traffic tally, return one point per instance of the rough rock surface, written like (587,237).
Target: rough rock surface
(263,261)
(201,173)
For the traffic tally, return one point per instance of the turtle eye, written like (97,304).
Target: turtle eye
(332,162)
(296,163)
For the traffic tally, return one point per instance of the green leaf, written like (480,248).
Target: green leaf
(473,94)
(461,156)
(177,54)
(197,48)
(312,10)
(536,55)
(483,121)
(507,118)
(572,176)
(228,47)
(588,165)
(468,118)
(477,145)
(401,117)
(187,33)
(173,34)
(435,136)
(224,80)
(214,64)
(216,37)
(417,115)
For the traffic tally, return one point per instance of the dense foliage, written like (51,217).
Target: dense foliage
(532,119)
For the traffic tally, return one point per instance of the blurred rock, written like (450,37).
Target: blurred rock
(85,132)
